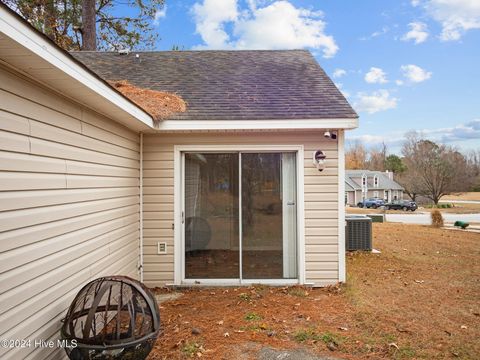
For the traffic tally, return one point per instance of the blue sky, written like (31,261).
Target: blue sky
(403,64)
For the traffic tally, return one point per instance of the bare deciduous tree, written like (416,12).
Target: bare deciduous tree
(377,158)
(433,170)
(473,164)
(356,156)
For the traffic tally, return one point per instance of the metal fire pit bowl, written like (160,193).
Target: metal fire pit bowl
(112,317)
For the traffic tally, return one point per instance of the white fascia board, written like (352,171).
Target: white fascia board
(305,124)
(27,37)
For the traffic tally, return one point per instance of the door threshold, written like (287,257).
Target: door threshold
(243,283)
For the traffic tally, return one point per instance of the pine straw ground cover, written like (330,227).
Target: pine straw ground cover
(159,104)
(418,299)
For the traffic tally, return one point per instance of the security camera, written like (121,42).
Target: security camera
(319,159)
(330,135)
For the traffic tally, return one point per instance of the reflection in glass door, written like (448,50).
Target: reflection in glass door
(265,248)
(268,213)
(211,216)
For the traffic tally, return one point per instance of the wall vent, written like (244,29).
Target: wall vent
(162,247)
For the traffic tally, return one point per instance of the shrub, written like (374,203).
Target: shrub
(437,219)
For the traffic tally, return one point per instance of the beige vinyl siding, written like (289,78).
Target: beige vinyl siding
(69,207)
(321,199)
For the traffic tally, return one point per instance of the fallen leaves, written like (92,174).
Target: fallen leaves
(381,320)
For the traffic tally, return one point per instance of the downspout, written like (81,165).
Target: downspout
(141,208)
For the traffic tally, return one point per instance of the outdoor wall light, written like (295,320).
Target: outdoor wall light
(319,159)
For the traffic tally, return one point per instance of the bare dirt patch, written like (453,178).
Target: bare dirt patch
(418,299)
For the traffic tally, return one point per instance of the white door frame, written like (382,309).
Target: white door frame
(179,254)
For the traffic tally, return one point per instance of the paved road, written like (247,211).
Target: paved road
(425,219)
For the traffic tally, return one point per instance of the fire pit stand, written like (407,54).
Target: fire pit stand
(113,317)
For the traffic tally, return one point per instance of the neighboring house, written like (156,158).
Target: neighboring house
(224,193)
(364,184)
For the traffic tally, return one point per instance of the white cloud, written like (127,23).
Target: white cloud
(376,76)
(459,133)
(399,82)
(210,17)
(415,74)
(418,32)
(375,34)
(279,25)
(391,139)
(339,73)
(455,16)
(415,2)
(467,131)
(160,14)
(377,101)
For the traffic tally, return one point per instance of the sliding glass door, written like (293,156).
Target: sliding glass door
(240,215)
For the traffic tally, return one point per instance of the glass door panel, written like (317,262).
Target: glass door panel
(211,216)
(268,216)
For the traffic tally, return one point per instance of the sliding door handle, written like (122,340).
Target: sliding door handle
(291,203)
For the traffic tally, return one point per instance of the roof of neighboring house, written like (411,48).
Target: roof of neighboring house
(230,85)
(348,187)
(354,177)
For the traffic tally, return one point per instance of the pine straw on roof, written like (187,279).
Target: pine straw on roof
(160,104)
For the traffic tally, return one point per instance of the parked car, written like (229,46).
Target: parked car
(402,205)
(371,203)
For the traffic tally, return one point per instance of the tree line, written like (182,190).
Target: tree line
(424,168)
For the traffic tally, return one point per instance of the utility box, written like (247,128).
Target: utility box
(358,233)
(377,217)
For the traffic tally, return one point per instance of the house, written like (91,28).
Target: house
(228,192)
(364,184)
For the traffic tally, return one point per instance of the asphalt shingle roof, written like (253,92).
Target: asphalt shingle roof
(230,85)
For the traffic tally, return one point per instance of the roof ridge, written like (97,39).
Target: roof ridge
(191,51)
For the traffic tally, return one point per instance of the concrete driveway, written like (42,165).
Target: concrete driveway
(424,218)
